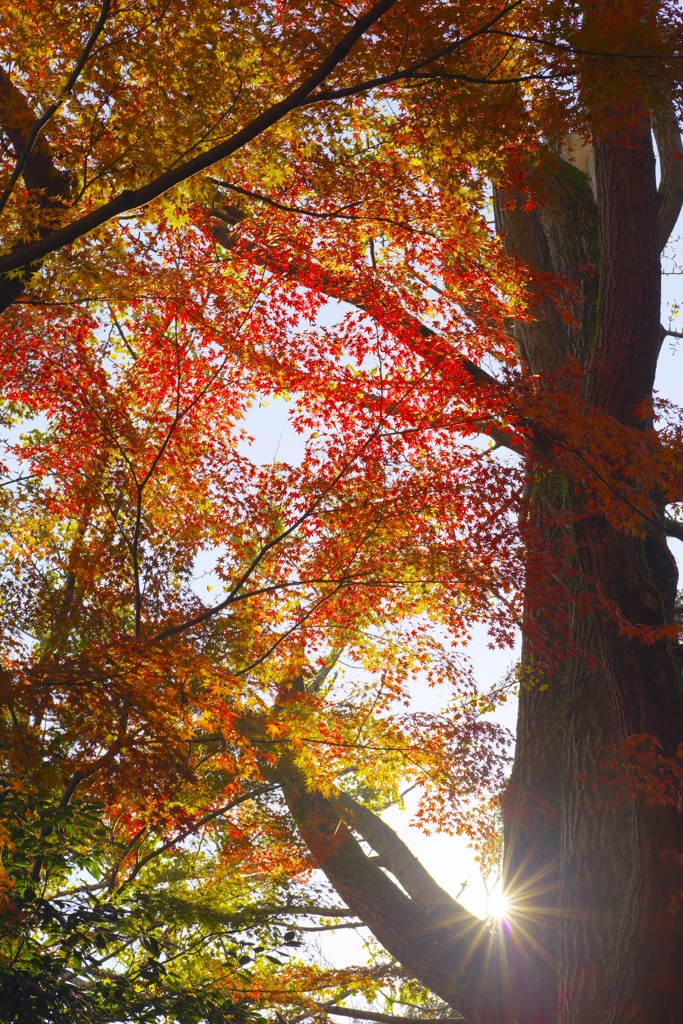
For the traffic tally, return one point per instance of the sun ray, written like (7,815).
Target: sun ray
(498,905)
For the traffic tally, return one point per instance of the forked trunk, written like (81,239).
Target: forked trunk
(588,867)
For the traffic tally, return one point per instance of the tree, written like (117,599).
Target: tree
(140,356)
(65,944)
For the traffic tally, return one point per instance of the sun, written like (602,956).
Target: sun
(498,905)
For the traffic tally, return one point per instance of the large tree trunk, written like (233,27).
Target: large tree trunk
(619,948)
(591,937)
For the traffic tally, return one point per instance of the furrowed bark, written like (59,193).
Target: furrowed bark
(620,948)
(397,858)
(614,890)
(628,338)
(558,237)
(617,948)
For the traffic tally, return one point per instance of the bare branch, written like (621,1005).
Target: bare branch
(672,528)
(670,149)
(383,1018)
(450,958)
(404,865)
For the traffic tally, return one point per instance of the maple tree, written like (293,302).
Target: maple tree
(480,443)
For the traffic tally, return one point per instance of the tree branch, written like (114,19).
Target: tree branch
(80,776)
(383,1018)
(18,122)
(235,218)
(131,199)
(303,911)
(670,150)
(347,578)
(672,528)
(343,291)
(24,155)
(414,71)
(192,830)
(330,927)
(452,959)
(48,185)
(404,865)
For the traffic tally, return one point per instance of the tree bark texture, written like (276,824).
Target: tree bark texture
(616,947)
(591,939)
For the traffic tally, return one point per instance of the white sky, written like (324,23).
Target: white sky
(448,858)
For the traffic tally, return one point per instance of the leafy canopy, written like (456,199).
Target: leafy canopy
(147,851)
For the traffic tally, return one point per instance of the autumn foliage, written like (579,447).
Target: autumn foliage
(185,628)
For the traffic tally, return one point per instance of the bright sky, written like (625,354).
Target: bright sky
(448,858)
